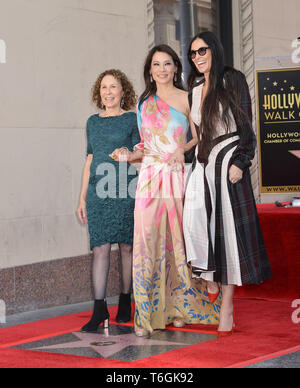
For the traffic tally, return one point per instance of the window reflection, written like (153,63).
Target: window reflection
(177,21)
(202,16)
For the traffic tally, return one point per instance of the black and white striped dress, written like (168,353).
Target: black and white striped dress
(223,237)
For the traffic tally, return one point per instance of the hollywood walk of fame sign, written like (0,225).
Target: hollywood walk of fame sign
(278,104)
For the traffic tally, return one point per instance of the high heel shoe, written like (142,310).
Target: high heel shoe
(140,332)
(178,323)
(100,315)
(212,297)
(222,334)
(124,311)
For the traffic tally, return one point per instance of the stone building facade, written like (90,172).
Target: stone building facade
(54,51)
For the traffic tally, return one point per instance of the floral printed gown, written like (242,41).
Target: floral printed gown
(163,287)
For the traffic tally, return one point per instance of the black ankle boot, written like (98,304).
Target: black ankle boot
(100,315)
(124,312)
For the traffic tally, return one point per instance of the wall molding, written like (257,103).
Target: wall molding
(150,24)
(244,59)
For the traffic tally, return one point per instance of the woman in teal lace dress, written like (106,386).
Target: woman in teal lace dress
(108,189)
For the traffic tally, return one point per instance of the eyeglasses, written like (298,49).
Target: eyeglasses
(201,51)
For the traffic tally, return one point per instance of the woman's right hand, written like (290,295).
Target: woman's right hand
(81,212)
(177,157)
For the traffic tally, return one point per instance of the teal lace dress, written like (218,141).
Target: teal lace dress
(111,192)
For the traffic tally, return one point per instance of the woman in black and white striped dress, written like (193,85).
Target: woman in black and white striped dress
(224,243)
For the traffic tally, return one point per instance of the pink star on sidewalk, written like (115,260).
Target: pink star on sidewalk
(106,345)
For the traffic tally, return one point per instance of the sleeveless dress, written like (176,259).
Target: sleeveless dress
(111,191)
(224,242)
(163,288)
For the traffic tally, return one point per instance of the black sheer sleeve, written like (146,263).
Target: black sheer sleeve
(245,151)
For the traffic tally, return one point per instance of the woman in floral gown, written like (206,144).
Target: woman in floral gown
(163,290)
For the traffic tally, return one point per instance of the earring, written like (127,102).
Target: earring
(175,77)
(151,78)
(101,105)
(122,102)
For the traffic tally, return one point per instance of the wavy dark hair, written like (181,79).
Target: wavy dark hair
(222,90)
(151,88)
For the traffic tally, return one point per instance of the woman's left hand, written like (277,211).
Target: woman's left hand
(235,174)
(177,157)
(121,155)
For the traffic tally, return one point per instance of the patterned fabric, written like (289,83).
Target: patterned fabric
(223,238)
(163,288)
(111,191)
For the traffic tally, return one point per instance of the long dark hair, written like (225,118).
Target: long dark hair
(151,88)
(221,91)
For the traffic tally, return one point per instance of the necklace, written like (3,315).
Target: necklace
(105,114)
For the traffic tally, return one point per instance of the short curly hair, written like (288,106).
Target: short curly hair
(129,99)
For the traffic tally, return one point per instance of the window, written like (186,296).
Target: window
(177,21)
